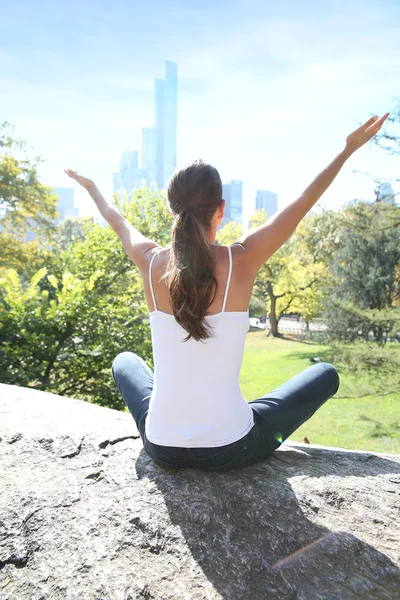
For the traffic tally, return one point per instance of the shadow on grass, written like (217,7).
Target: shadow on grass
(324,355)
(299,340)
(381,429)
(286,338)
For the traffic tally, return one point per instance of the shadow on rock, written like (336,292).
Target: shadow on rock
(314,524)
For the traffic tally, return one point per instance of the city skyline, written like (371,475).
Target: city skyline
(158,156)
(257,98)
(158,153)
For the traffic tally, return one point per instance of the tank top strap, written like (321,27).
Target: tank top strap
(151,284)
(229,278)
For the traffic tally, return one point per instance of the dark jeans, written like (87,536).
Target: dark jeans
(277,415)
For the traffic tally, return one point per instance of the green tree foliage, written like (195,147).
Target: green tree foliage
(365,269)
(229,233)
(61,332)
(290,281)
(26,205)
(389,138)
(259,217)
(72,229)
(306,277)
(347,322)
(366,263)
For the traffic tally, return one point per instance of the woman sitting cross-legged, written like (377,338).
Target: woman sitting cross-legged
(191,412)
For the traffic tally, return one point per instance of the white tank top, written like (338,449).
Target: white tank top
(196,400)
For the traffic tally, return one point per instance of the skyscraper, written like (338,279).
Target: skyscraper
(226,194)
(65,204)
(129,175)
(165,123)
(149,154)
(233,196)
(385,192)
(268,201)
(159,130)
(158,157)
(170,120)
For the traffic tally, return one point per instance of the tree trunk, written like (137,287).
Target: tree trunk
(272,315)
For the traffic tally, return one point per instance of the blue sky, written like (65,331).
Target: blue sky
(267,91)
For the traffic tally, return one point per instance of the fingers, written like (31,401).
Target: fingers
(71,173)
(375,124)
(383,119)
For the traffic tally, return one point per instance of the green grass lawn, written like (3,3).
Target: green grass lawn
(361,416)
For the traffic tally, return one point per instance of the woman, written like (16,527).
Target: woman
(192,413)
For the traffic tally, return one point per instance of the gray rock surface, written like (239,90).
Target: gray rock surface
(86,515)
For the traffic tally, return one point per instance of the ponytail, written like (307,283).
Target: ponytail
(191,265)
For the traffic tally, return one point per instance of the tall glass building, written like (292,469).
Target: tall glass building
(159,131)
(165,123)
(149,154)
(268,201)
(129,175)
(385,192)
(158,156)
(233,196)
(170,119)
(65,203)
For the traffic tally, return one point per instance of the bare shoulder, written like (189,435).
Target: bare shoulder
(147,257)
(240,260)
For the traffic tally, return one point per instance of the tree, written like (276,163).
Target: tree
(389,138)
(365,268)
(290,279)
(307,277)
(62,331)
(259,217)
(287,284)
(229,233)
(25,204)
(72,229)
(389,141)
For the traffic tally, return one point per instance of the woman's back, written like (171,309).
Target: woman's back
(240,288)
(196,399)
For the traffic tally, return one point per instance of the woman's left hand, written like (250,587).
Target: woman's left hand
(83,181)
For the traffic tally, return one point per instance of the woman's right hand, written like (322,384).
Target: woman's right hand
(83,181)
(363,134)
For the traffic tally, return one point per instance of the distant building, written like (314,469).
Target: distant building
(65,203)
(233,196)
(268,201)
(129,175)
(149,157)
(170,102)
(158,156)
(65,206)
(355,201)
(385,193)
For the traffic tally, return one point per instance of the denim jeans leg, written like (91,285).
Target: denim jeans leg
(287,407)
(134,379)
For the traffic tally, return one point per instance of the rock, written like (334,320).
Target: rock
(86,515)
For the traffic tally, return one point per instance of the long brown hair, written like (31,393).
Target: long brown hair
(194,194)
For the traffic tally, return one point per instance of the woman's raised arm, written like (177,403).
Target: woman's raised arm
(135,244)
(263,241)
